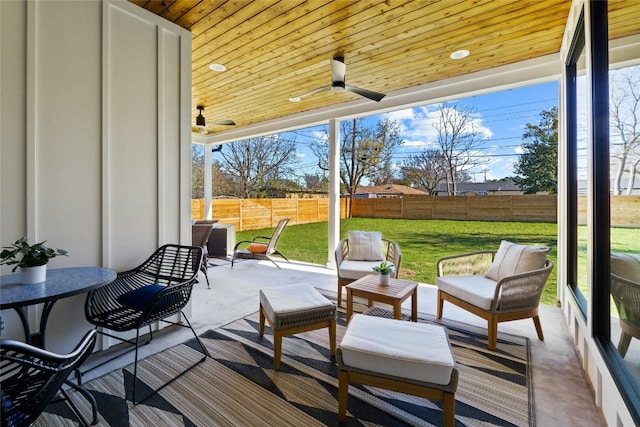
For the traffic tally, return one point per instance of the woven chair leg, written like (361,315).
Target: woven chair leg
(80,373)
(205,354)
(135,369)
(74,408)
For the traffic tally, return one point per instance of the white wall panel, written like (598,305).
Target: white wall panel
(95,105)
(132,136)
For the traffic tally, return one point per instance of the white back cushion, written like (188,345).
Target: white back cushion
(365,246)
(626,266)
(512,259)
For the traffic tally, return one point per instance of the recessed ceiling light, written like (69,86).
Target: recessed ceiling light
(217,67)
(459,54)
(295,99)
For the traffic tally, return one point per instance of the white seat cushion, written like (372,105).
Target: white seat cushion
(476,290)
(357,269)
(512,259)
(417,351)
(292,298)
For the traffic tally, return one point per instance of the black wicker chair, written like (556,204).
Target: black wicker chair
(32,377)
(154,291)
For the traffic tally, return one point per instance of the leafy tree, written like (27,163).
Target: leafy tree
(316,182)
(537,166)
(364,152)
(625,123)
(254,162)
(424,170)
(459,140)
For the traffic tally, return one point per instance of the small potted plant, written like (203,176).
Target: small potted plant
(32,259)
(384,270)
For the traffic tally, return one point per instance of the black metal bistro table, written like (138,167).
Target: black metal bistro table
(60,283)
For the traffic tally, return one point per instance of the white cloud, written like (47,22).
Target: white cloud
(401,115)
(519,150)
(421,121)
(300,155)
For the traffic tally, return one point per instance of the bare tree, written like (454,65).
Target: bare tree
(197,171)
(254,162)
(459,140)
(424,170)
(625,123)
(364,151)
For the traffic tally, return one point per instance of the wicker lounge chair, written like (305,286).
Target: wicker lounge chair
(261,250)
(497,286)
(350,269)
(625,290)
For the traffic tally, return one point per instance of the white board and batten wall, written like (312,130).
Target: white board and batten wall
(95,139)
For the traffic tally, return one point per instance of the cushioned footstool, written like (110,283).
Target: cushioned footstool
(407,357)
(293,309)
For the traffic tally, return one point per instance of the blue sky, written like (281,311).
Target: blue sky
(501,116)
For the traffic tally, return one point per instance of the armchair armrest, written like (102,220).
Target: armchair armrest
(393,254)
(626,296)
(521,291)
(167,302)
(468,263)
(341,252)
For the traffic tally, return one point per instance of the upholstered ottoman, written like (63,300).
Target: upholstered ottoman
(411,358)
(293,309)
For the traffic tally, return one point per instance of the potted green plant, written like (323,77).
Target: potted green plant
(384,270)
(32,259)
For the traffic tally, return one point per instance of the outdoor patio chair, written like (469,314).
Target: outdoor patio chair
(497,286)
(359,262)
(260,250)
(32,377)
(154,291)
(625,290)
(200,233)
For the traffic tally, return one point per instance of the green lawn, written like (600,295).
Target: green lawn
(422,241)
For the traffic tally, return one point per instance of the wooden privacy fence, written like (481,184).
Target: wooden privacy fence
(529,208)
(252,214)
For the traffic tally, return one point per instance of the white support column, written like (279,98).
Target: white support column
(208,191)
(334,192)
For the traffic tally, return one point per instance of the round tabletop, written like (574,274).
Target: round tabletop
(60,283)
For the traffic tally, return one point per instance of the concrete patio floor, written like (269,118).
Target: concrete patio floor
(562,394)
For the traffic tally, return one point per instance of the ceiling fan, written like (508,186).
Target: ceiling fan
(201,126)
(338,70)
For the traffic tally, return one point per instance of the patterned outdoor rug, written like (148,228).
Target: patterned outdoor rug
(238,387)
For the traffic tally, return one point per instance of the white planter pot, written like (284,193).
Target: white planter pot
(384,279)
(34,274)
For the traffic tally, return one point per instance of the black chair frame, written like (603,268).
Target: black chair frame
(32,378)
(173,266)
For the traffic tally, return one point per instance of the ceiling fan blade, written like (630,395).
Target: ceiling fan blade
(199,129)
(375,96)
(298,98)
(338,69)
(224,123)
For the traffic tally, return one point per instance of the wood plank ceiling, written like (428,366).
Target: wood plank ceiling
(277,49)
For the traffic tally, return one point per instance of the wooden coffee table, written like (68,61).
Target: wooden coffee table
(395,293)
